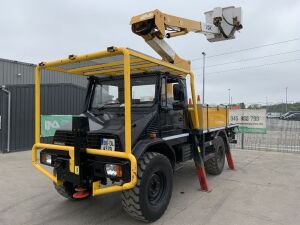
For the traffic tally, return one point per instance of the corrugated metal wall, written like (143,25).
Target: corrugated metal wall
(3,111)
(64,99)
(12,72)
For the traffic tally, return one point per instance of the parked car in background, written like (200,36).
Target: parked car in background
(294,116)
(273,115)
(283,116)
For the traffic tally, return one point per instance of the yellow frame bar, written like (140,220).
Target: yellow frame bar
(99,66)
(192,83)
(118,69)
(127,154)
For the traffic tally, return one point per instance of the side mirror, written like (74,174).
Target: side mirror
(178,92)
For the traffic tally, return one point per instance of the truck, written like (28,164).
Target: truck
(137,127)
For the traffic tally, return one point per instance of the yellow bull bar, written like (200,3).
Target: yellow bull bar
(131,59)
(97,190)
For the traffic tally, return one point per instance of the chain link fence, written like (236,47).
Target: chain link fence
(281,136)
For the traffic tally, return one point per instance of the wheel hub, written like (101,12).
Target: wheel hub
(156,188)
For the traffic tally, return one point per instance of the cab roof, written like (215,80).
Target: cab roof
(111,62)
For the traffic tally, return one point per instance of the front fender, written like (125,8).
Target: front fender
(155,145)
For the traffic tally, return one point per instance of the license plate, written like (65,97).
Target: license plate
(107,144)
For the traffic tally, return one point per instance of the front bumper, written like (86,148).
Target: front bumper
(96,186)
(93,168)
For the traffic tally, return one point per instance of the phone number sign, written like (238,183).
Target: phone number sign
(249,120)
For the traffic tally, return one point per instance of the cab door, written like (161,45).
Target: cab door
(171,108)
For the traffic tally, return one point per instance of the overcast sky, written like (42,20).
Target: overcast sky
(35,30)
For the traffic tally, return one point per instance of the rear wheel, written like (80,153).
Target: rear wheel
(215,165)
(149,199)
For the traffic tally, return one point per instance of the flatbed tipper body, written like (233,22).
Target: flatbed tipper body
(213,117)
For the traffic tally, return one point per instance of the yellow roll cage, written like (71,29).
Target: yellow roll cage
(113,61)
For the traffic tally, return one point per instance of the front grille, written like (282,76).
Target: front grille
(93,139)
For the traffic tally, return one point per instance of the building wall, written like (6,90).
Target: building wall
(61,99)
(3,134)
(60,94)
(13,72)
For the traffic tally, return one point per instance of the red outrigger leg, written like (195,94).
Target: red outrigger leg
(230,160)
(202,178)
(199,164)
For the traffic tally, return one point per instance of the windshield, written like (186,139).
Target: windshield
(110,93)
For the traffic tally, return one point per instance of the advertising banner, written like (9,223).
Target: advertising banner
(50,123)
(249,120)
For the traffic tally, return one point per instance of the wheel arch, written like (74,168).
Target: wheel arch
(223,135)
(157,145)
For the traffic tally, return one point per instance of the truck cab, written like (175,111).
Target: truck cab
(155,111)
(158,114)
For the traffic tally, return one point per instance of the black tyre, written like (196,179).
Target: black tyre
(149,199)
(215,165)
(67,189)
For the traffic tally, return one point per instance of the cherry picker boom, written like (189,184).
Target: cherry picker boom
(155,26)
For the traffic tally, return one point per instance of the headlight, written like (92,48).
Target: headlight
(113,170)
(46,159)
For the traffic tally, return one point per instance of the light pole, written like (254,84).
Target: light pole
(203,99)
(229,97)
(202,108)
(203,87)
(286,103)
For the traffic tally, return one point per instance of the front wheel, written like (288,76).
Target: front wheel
(149,199)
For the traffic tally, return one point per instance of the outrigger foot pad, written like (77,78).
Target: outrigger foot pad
(230,160)
(80,193)
(202,179)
